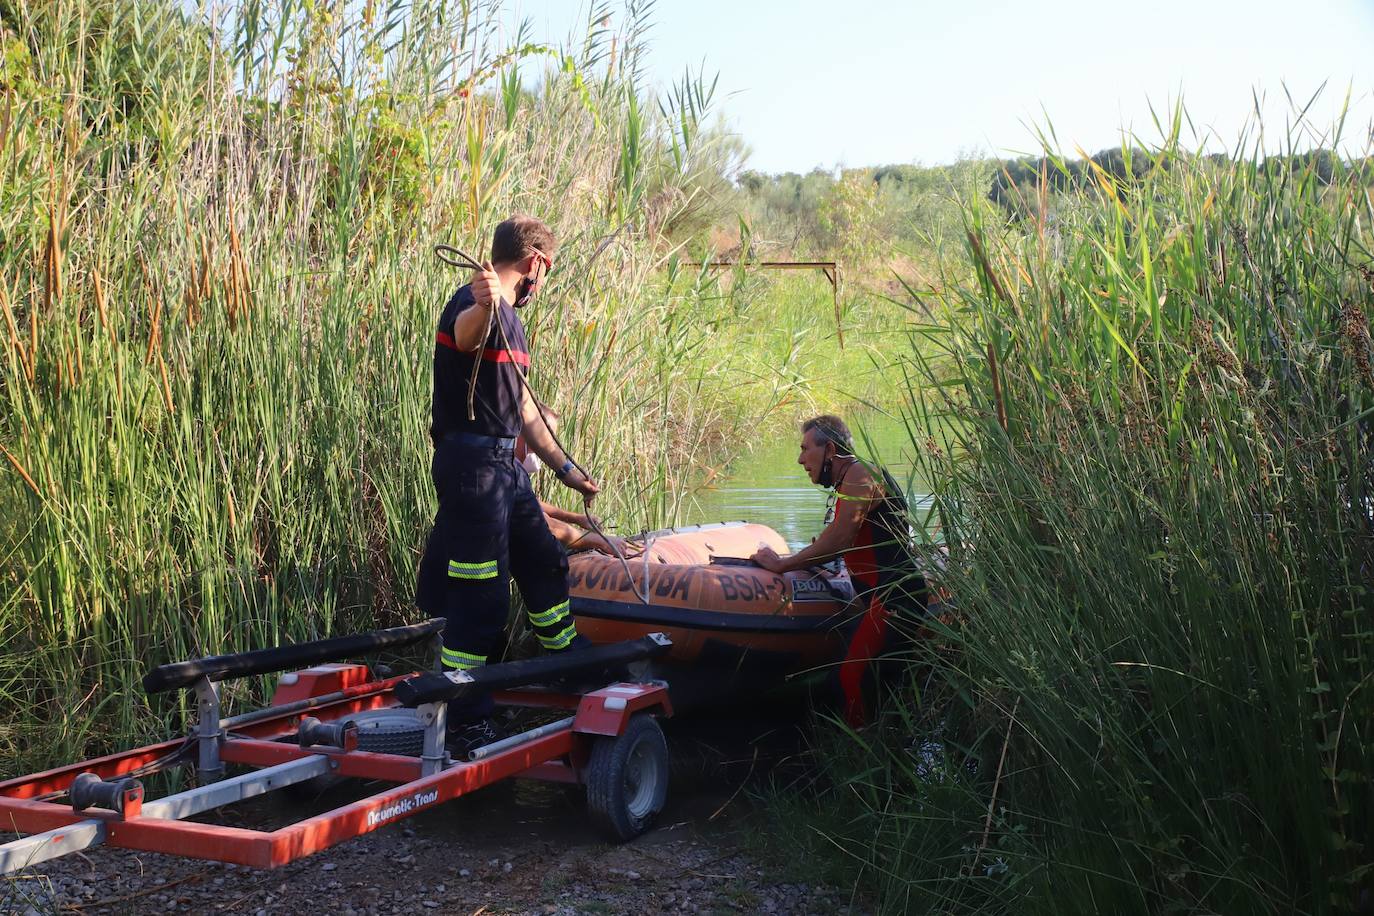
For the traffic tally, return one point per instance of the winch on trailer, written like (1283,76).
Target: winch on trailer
(340,721)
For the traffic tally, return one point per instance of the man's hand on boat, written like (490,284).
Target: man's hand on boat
(768,558)
(619,547)
(608,544)
(605,543)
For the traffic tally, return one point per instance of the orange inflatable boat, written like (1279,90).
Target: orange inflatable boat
(722,612)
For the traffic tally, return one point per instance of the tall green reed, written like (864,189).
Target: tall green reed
(219,299)
(1145,413)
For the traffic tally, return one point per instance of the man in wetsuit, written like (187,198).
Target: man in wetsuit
(489,527)
(868,527)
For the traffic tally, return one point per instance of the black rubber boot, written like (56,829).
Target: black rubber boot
(465,737)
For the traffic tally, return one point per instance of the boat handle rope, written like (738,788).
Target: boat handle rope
(454,257)
(648,545)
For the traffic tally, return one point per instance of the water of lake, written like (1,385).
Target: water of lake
(768,486)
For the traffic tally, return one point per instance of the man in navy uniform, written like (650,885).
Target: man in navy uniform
(489,527)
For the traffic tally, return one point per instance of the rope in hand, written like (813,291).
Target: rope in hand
(456,258)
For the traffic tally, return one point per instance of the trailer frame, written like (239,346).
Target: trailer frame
(105,799)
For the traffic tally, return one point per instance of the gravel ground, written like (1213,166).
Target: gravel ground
(515,848)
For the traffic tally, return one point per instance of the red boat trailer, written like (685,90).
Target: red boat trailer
(317,726)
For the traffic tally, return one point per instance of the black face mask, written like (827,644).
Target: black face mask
(827,475)
(525,290)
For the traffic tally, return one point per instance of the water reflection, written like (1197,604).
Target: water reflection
(768,486)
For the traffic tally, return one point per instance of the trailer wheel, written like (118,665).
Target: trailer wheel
(382,731)
(627,779)
(390,731)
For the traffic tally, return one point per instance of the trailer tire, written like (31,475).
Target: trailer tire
(390,731)
(627,779)
(380,731)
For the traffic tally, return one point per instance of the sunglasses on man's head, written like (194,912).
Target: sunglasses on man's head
(548,261)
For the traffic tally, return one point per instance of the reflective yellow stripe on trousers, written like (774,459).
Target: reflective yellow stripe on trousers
(463,661)
(550,617)
(486,570)
(562,640)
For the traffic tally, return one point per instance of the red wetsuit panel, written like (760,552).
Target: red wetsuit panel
(880,561)
(871,633)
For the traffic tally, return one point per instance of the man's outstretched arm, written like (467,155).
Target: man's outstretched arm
(540,441)
(852,507)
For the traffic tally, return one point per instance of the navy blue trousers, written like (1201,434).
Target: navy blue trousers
(489,529)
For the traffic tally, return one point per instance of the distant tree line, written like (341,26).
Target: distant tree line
(854,215)
(1015,179)
(858,214)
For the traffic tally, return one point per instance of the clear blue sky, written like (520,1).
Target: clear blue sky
(809,83)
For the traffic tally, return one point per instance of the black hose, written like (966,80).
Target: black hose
(447,253)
